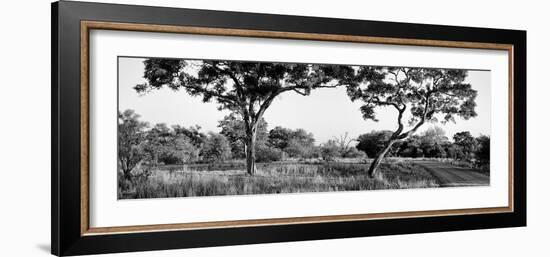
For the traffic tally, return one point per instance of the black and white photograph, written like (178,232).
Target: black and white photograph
(274,128)
(192,127)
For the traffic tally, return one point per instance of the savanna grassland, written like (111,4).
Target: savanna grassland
(214,179)
(245,155)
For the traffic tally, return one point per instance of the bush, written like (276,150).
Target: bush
(373,142)
(265,153)
(483,152)
(330,151)
(353,152)
(178,151)
(298,149)
(216,148)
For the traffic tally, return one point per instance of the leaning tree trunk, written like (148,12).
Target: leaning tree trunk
(376,162)
(251,153)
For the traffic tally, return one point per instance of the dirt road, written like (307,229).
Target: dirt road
(448,175)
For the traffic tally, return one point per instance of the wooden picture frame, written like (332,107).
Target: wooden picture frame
(71,25)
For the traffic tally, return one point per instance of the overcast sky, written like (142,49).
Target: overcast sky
(327,112)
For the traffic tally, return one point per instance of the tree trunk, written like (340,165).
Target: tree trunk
(127,173)
(251,153)
(125,170)
(376,162)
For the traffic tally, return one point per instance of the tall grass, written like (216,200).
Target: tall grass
(272,178)
(473,165)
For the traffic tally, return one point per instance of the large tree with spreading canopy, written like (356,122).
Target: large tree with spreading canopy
(245,88)
(420,95)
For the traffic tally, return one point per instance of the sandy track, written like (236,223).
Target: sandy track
(449,176)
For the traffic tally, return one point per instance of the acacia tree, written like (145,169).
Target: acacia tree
(427,94)
(131,135)
(246,88)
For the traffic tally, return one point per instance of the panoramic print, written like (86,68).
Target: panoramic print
(191,127)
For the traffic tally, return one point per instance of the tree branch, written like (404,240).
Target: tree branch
(298,91)
(422,120)
(233,77)
(400,125)
(204,90)
(266,104)
(377,100)
(297,86)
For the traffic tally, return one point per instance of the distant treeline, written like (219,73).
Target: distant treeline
(432,143)
(140,143)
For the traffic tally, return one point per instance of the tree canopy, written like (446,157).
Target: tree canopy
(427,94)
(247,88)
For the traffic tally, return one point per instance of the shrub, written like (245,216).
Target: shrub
(178,151)
(330,151)
(353,152)
(483,152)
(216,148)
(265,153)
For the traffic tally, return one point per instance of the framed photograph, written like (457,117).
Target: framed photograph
(178,128)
